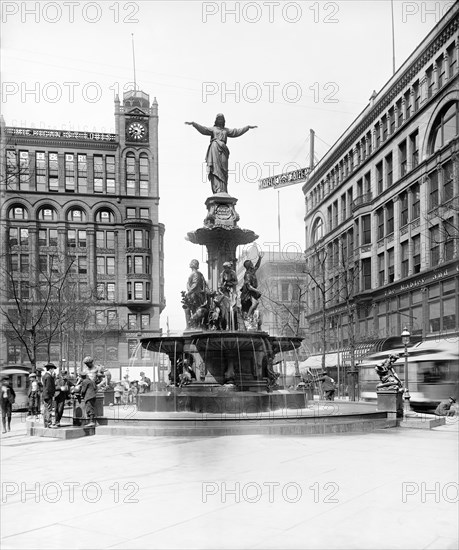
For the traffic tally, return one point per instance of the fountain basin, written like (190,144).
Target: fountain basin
(231,369)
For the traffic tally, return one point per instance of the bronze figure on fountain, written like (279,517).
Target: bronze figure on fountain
(218,153)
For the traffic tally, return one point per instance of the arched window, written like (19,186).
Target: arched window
(445,127)
(317,230)
(18,213)
(105,216)
(76,215)
(47,214)
(130,174)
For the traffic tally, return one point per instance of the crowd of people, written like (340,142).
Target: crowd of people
(50,390)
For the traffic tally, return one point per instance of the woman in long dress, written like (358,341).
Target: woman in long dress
(218,153)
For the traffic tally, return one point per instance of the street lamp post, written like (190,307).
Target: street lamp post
(405,341)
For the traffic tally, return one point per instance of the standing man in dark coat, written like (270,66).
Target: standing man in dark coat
(7,398)
(62,394)
(89,393)
(49,389)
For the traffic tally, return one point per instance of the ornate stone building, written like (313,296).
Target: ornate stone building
(382,208)
(82,208)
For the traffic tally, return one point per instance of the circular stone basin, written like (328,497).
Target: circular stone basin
(231,372)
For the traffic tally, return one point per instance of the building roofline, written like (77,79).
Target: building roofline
(393,87)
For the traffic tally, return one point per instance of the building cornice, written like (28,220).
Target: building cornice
(393,90)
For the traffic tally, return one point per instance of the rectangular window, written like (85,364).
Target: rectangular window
(82,265)
(379,177)
(433,189)
(100,239)
(390,266)
(130,213)
(24,172)
(434,234)
(404,259)
(145,322)
(100,262)
(53,172)
(138,238)
(130,187)
(69,172)
(448,185)
(11,169)
(389,169)
(71,238)
(82,175)
(417,254)
(82,238)
(381,269)
(384,128)
(441,71)
(366,229)
(416,201)
(138,291)
(23,237)
(43,263)
(98,185)
(111,292)
(390,217)
(407,104)
(380,220)
(138,264)
(111,186)
(143,188)
(452,61)
(132,321)
(392,120)
(129,291)
(402,158)
(399,113)
(377,134)
(14,262)
(40,171)
(13,236)
(100,317)
(430,81)
(414,149)
(416,95)
(403,208)
(145,213)
(366,273)
(110,265)
(449,233)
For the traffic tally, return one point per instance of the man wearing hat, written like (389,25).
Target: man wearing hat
(444,407)
(49,389)
(63,385)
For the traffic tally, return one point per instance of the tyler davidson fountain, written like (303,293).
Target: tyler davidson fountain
(223,362)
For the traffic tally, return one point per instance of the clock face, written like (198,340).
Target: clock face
(136,131)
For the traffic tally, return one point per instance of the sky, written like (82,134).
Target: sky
(286,67)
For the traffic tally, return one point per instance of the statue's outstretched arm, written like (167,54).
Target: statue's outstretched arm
(204,130)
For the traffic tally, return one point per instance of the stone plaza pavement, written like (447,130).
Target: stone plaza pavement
(394,488)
